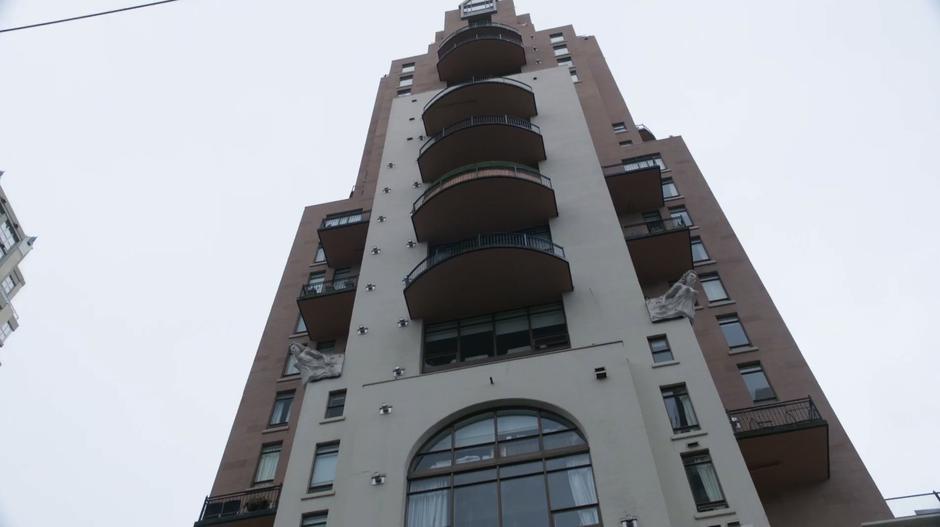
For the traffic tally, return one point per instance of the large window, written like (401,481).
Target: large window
(514,467)
(324,467)
(280,415)
(267,463)
(496,336)
(703,479)
(679,408)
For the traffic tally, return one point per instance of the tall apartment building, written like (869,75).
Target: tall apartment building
(14,246)
(483,291)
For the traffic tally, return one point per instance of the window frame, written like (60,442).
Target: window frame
(277,464)
(619,127)
(320,517)
(319,255)
(407,67)
(329,448)
(726,319)
(290,359)
(556,38)
(763,372)
(286,395)
(574,75)
(330,404)
(697,240)
(653,352)
(560,50)
(670,182)
(497,463)
(676,391)
(459,363)
(714,277)
(711,505)
(681,211)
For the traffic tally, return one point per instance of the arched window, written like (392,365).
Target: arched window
(512,467)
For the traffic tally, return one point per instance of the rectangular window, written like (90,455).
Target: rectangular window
(8,284)
(574,76)
(561,49)
(565,61)
(679,213)
(714,289)
(280,415)
(495,336)
(267,463)
(324,467)
(315,282)
(756,381)
(669,188)
(405,81)
(659,346)
(556,38)
(290,367)
(408,68)
(404,91)
(699,254)
(642,163)
(335,403)
(301,326)
(706,490)
(733,330)
(619,128)
(320,256)
(5,331)
(625,142)
(317,519)
(8,237)
(679,409)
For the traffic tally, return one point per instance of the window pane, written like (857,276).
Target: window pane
(669,189)
(734,332)
(577,518)
(267,463)
(301,326)
(475,506)
(281,412)
(440,345)
(315,520)
(324,469)
(473,454)
(704,483)
(714,290)
(699,254)
(679,408)
(477,476)
(512,333)
(549,329)
(476,340)
(578,460)
(524,502)
(562,440)
(519,446)
(440,442)
(476,431)
(291,367)
(520,470)
(554,424)
(572,488)
(516,424)
(757,383)
(429,509)
(433,461)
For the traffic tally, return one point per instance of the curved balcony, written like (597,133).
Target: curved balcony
(484,49)
(479,139)
(514,197)
(343,237)
(327,307)
(493,96)
(485,274)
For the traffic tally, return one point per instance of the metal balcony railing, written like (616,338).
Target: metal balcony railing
(337,285)
(652,228)
(481,120)
(232,506)
(476,80)
(341,220)
(480,171)
(478,31)
(630,166)
(513,240)
(776,417)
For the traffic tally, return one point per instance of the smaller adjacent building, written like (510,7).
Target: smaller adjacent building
(14,246)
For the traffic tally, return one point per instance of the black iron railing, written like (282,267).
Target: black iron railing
(631,166)
(478,31)
(480,171)
(336,285)
(254,502)
(480,120)
(776,417)
(513,240)
(341,220)
(654,227)
(476,80)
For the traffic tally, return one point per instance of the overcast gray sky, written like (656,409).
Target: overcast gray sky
(163,158)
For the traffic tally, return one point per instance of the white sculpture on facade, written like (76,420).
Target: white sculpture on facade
(679,301)
(315,365)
